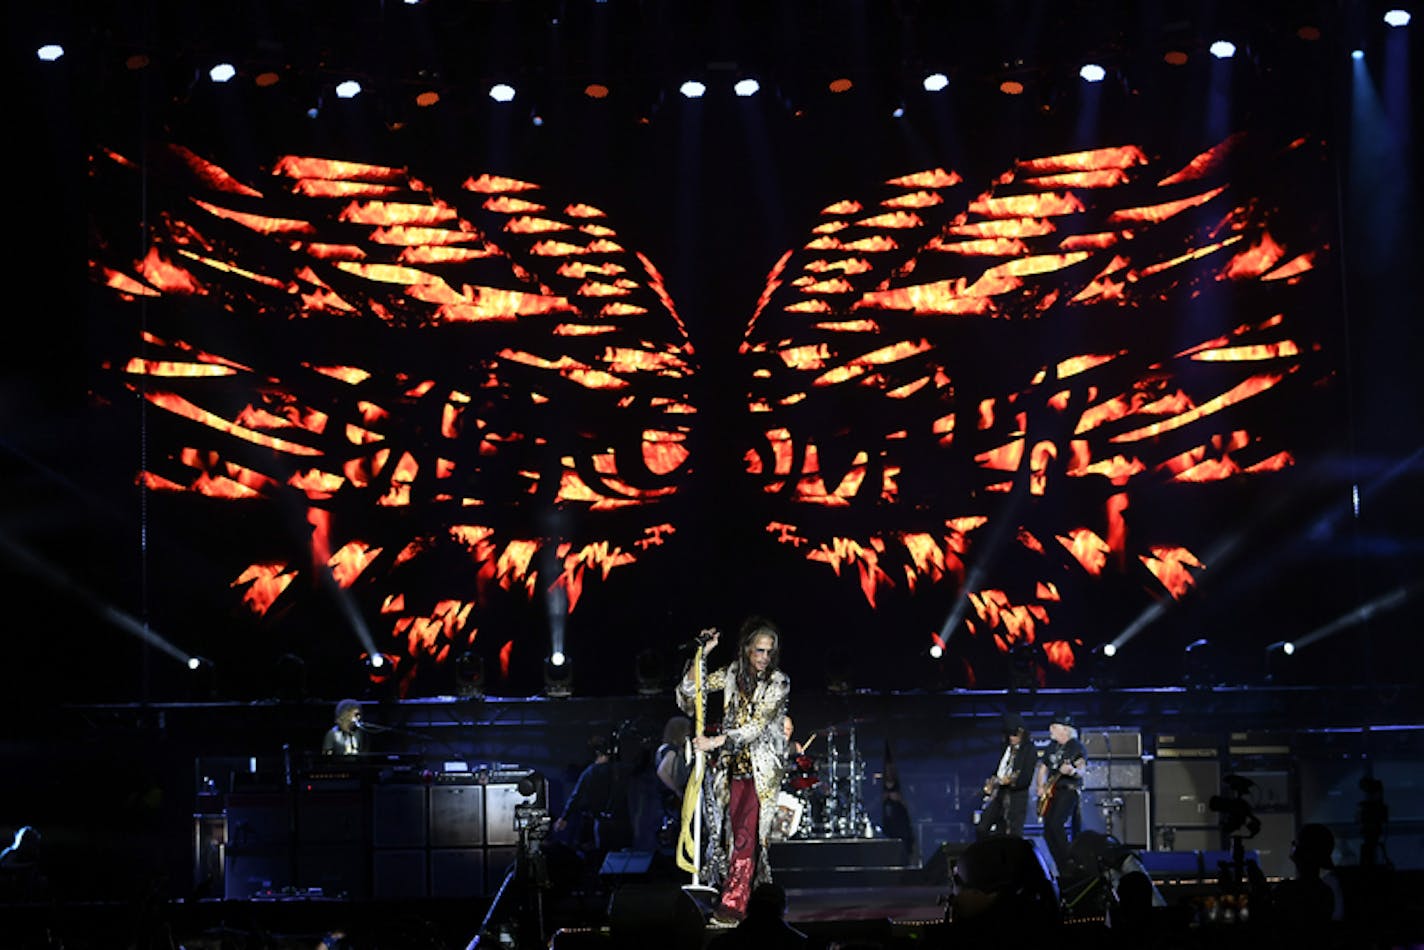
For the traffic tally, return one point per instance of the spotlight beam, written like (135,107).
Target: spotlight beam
(992,546)
(62,582)
(1395,598)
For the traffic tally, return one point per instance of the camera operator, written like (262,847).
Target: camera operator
(597,809)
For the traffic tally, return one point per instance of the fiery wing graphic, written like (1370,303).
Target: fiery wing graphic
(944,364)
(943,379)
(530,366)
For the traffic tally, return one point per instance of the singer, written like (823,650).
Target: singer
(740,784)
(346,737)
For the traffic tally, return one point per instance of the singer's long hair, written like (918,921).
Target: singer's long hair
(752,628)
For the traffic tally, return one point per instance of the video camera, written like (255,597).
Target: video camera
(1235,811)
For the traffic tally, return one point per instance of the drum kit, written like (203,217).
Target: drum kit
(822,796)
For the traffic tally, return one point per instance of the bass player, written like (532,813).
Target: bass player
(1056,785)
(1006,791)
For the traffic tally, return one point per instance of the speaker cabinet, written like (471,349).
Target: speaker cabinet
(457,816)
(258,820)
(1113,773)
(1273,842)
(654,915)
(1271,791)
(1127,809)
(500,801)
(1182,789)
(399,814)
(246,873)
(330,818)
(398,873)
(1111,743)
(498,861)
(1187,838)
(337,870)
(457,872)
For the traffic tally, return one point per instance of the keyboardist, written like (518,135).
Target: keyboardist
(345,737)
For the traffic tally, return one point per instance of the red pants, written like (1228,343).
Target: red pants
(743,813)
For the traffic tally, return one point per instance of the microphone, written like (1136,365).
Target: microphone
(369,727)
(698,641)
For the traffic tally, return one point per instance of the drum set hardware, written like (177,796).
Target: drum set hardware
(823,797)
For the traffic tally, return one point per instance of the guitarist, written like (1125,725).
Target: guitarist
(1006,791)
(1057,782)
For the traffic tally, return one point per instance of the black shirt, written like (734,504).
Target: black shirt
(1056,754)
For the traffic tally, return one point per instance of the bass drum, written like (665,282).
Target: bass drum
(786,822)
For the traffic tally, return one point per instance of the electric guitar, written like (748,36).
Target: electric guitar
(1045,795)
(992,786)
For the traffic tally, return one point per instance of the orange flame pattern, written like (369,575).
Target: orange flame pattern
(907,377)
(499,308)
(1095,238)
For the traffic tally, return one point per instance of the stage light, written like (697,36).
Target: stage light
(898,112)
(202,679)
(1223,49)
(648,669)
(841,84)
(349,89)
(536,120)
(1024,667)
(936,651)
(222,72)
(1397,17)
(838,667)
(470,675)
(1103,672)
(558,677)
(427,98)
(50,52)
(934,82)
(1199,668)
(291,678)
(501,92)
(746,87)
(692,89)
(1092,72)
(596,90)
(1357,54)
(1175,57)
(1011,87)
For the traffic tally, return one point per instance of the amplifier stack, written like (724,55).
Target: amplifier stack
(1116,800)
(1186,773)
(383,836)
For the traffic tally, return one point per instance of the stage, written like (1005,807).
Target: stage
(659,914)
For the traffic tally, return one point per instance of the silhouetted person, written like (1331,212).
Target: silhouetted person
(599,805)
(765,926)
(673,761)
(1374,818)
(1312,897)
(21,875)
(1002,887)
